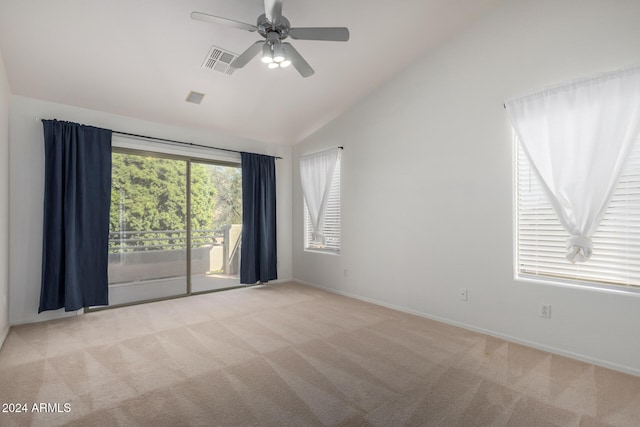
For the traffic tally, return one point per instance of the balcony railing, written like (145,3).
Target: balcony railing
(146,255)
(162,240)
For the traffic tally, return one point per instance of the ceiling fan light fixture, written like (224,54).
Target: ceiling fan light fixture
(267,56)
(278,53)
(285,63)
(273,65)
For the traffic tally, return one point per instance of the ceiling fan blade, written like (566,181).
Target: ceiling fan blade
(222,21)
(273,10)
(297,60)
(247,55)
(335,34)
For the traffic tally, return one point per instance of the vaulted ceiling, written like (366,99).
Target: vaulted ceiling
(140,58)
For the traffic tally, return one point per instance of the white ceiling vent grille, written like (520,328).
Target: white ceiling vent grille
(220,60)
(195,97)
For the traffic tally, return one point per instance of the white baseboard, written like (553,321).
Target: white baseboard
(3,335)
(46,316)
(536,345)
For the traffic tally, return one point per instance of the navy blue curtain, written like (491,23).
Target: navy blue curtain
(77,196)
(258,260)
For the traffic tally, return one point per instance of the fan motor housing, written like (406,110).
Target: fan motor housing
(265,27)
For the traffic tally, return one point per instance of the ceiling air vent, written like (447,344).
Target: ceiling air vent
(220,60)
(195,97)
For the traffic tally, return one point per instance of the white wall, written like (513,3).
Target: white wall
(4,202)
(27,186)
(428,186)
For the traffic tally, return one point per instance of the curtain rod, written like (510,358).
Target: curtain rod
(172,141)
(191,144)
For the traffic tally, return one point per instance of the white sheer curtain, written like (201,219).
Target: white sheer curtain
(316,172)
(577,137)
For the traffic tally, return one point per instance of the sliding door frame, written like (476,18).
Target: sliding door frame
(189,160)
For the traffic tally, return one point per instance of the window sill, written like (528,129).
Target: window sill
(633,291)
(322,251)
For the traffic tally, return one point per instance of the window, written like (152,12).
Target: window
(541,240)
(331,222)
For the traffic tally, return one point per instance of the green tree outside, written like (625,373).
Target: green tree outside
(149,194)
(228,199)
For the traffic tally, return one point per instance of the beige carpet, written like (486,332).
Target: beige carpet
(289,355)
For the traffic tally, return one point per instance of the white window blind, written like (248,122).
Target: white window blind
(541,239)
(331,221)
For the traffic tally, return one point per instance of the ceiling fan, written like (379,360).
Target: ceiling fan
(275,28)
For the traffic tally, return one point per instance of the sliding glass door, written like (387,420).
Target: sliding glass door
(216,224)
(174,227)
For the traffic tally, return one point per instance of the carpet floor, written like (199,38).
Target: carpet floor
(290,355)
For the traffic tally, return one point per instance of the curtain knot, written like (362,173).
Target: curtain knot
(579,248)
(318,237)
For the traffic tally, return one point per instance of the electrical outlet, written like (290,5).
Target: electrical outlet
(545,310)
(463,294)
